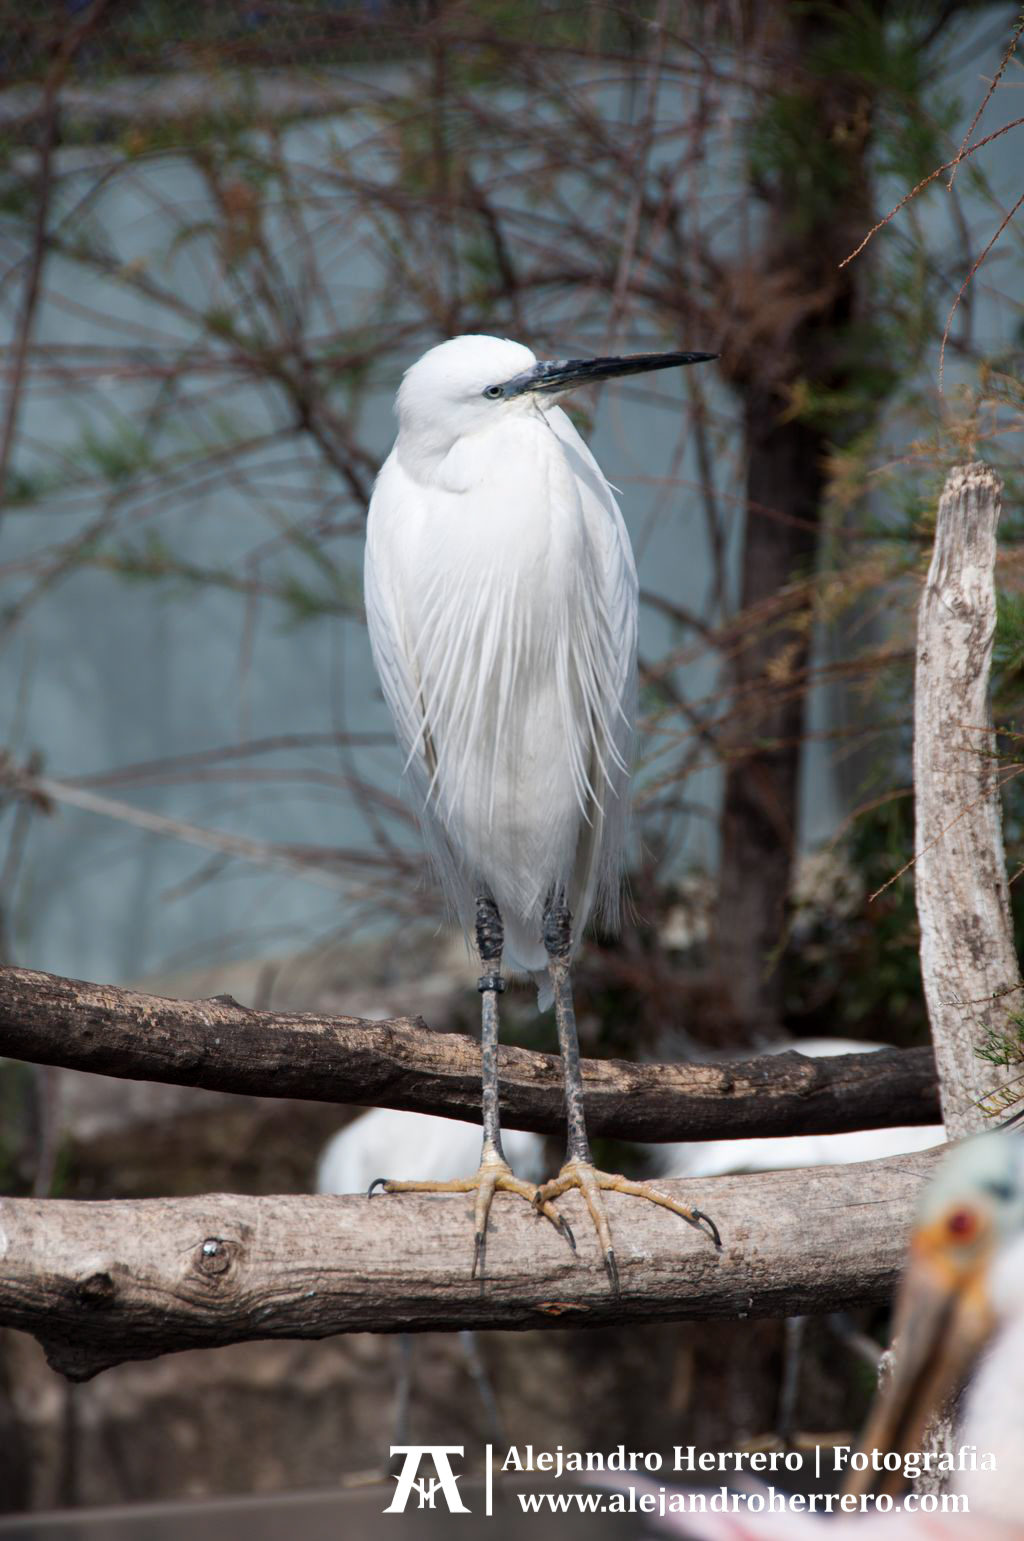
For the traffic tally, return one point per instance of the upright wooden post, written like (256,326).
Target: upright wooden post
(969,965)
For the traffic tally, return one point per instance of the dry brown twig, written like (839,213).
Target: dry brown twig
(992,89)
(926,182)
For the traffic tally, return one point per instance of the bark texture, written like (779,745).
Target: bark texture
(222,1046)
(969,965)
(99,1283)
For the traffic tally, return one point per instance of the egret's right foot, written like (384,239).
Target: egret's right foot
(494,1176)
(592,1183)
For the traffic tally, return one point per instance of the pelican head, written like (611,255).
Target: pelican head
(967,1241)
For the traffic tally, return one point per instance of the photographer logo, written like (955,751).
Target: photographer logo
(427,1489)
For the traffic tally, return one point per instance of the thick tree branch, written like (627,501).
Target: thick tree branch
(102,1283)
(222,1046)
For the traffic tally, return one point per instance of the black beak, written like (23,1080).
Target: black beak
(557,375)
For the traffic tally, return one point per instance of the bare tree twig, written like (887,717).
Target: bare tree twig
(975,265)
(993,87)
(313,865)
(926,182)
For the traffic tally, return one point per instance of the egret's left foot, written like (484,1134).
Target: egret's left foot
(585,1176)
(495,1176)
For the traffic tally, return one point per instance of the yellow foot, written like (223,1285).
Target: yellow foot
(585,1176)
(494,1176)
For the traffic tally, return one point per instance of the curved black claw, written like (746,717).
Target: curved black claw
(478,1252)
(378,1182)
(613,1271)
(700,1215)
(561,1224)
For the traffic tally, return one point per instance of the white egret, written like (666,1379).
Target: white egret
(501,600)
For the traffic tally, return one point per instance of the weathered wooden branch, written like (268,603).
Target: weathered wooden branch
(98,1283)
(222,1046)
(969,965)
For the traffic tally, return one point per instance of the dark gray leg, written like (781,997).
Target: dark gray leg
(558,944)
(578,1170)
(494,1169)
(490,937)
(494,1175)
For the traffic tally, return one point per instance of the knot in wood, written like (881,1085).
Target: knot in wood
(214,1256)
(808,1074)
(94,1289)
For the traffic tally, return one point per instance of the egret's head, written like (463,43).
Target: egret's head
(445,393)
(963,1263)
(467,383)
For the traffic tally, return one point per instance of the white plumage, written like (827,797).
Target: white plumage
(501,599)
(993,1418)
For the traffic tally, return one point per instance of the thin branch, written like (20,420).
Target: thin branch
(925,182)
(981,800)
(993,87)
(975,265)
(312,864)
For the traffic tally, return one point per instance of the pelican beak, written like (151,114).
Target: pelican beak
(943,1320)
(557,375)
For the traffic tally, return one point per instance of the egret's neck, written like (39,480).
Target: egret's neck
(422,448)
(437,452)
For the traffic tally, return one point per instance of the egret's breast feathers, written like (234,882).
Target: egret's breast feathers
(503,624)
(495,615)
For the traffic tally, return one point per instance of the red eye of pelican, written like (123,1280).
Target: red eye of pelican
(962,1224)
